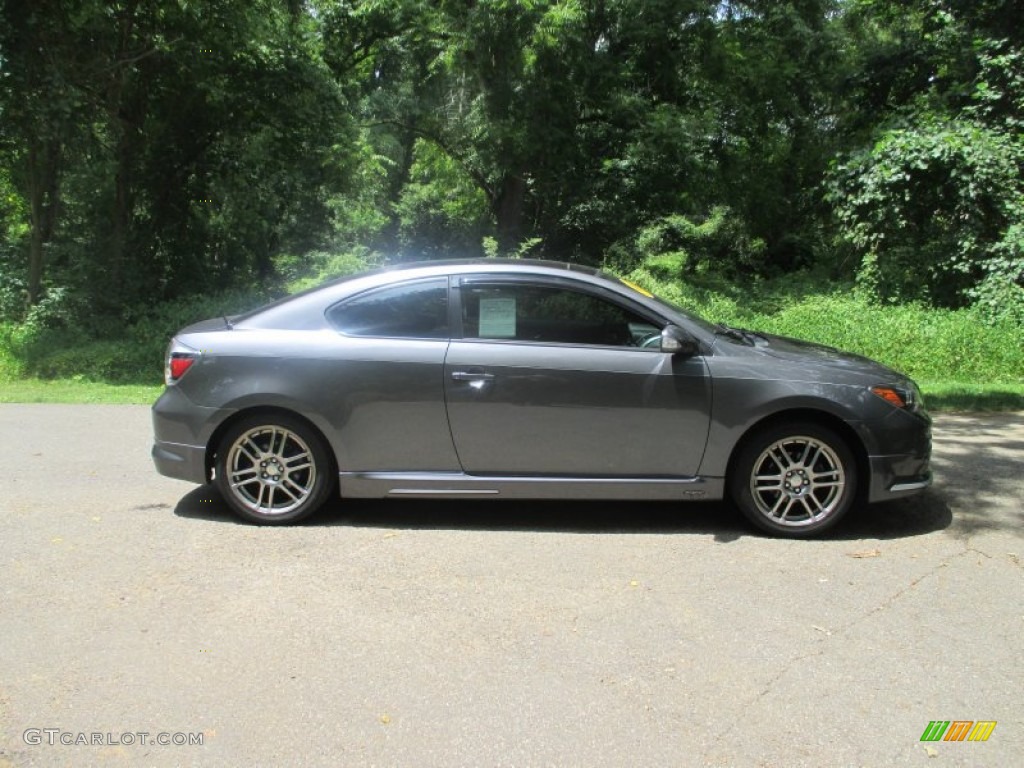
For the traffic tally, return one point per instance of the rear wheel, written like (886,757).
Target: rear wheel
(273,469)
(794,480)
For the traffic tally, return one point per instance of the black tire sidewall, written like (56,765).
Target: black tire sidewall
(325,481)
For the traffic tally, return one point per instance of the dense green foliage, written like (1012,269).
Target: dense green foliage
(165,159)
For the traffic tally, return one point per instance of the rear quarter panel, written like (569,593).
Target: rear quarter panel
(379,403)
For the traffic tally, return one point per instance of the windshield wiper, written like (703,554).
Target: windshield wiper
(734,333)
(740,334)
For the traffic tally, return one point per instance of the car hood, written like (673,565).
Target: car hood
(799,351)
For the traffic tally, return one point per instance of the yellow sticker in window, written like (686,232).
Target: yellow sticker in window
(637,288)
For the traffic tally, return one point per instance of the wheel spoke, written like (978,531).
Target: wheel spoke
(290,461)
(817,455)
(239,473)
(251,444)
(778,503)
(779,456)
(786,511)
(808,447)
(768,482)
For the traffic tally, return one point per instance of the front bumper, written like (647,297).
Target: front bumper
(893,477)
(899,454)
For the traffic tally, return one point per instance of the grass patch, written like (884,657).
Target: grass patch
(71,391)
(971,396)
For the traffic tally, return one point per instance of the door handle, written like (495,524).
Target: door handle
(469,376)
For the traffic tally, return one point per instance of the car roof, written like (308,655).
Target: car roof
(473,264)
(461,266)
(381,275)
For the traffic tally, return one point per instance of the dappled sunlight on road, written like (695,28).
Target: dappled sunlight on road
(978,463)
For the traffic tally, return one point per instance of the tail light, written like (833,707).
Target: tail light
(179,359)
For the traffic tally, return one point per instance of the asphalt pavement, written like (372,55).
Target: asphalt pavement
(135,610)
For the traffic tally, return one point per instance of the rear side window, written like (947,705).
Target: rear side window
(416,310)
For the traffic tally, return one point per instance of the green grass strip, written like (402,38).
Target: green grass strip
(70,391)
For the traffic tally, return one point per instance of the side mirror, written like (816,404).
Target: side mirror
(676,341)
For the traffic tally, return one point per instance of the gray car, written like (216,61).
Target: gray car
(528,380)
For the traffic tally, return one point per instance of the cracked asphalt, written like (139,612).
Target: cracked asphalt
(407,633)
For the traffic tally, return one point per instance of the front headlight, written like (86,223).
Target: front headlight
(904,397)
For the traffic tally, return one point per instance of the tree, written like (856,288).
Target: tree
(932,198)
(163,148)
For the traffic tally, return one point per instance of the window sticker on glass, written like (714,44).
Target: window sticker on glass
(498,318)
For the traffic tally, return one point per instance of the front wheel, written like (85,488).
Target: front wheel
(794,480)
(273,469)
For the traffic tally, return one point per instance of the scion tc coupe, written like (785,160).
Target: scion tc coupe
(528,380)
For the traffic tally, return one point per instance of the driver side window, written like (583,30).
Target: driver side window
(549,314)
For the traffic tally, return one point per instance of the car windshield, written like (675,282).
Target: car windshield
(695,319)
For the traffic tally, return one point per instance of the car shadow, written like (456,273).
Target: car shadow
(915,516)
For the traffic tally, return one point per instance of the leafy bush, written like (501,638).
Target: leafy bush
(301,272)
(53,343)
(61,339)
(935,209)
(441,212)
(680,246)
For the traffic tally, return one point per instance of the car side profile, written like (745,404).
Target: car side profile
(528,380)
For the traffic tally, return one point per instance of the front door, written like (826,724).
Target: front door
(555,380)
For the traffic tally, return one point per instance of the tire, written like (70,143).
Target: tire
(273,469)
(794,480)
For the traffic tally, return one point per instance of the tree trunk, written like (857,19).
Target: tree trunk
(124,119)
(121,215)
(507,207)
(398,182)
(43,158)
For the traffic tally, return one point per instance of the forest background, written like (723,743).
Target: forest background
(848,171)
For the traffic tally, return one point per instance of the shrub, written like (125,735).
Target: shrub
(934,208)
(675,246)
(310,269)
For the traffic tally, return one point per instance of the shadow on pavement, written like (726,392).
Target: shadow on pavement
(977,463)
(910,517)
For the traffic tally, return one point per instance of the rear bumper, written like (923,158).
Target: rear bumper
(182,462)
(181,431)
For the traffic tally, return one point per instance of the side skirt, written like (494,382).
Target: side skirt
(376,485)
